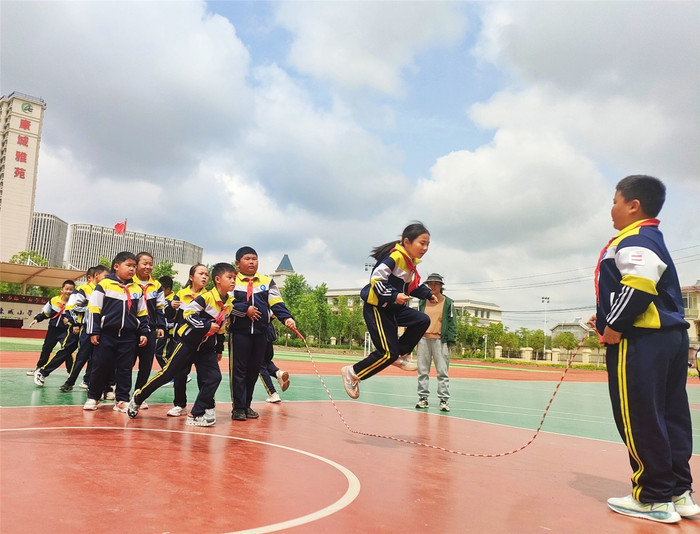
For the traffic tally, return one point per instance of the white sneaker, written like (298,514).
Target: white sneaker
(39,378)
(31,373)
(132,409)
(199,421)
(144,406)
(275,397)
(110,395)
(444,406)
(663,512)
(177,411)
(350,381)
(686,505)
(210,415)
(120,406)
(405,363)
(189,379)
(283,379)
(83,385)
(91,405)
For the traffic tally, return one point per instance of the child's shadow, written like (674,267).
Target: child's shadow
(599,488)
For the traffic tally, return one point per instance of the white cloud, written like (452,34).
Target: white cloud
(367,44)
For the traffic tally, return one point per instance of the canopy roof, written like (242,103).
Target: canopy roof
(33,275)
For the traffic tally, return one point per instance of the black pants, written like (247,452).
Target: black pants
(647,374)
(244,366)
(113,354)
(53,335)
(81,358)
(183,357)
(268,369)
(64,354)
(383,325)
(145,355)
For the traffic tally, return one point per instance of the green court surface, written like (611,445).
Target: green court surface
(579,409)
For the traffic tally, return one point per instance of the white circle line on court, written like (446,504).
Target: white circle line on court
(349,496)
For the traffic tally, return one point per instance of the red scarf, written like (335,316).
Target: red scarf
(415,277)
(249,289)
(647,222)
(61,307)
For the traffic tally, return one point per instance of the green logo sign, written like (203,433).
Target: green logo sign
(27,107)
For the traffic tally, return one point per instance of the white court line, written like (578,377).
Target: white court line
(350,494)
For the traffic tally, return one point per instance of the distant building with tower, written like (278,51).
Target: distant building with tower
(21,119)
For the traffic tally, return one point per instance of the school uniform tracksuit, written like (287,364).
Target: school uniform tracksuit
(76,310)
(391,275)
(249,338)
(196,347)
(268,369)
(57,331)
(164,344)
(155,304)
(639,295)
(117,313)
(185,296)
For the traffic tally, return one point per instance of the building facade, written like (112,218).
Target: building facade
(87,242)
(691,307)
(21,118)
(48,237)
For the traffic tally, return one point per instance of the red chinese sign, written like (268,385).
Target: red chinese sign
(25,124)
(21,157)
(23,140)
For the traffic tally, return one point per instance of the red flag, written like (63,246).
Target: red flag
(120,227)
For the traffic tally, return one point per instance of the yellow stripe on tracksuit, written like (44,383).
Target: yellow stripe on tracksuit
(167,364)
(625,414)
(385,346)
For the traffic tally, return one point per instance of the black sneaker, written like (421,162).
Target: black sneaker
(238,414)
(65,388)
(251,414)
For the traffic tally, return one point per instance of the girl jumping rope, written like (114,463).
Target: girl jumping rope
(393,282)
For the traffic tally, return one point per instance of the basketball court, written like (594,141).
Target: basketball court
(298,468)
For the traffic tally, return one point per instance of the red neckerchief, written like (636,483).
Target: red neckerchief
(61,307)
(415,277)
(128,297)
(596,275)
(145,293)
(249,289)
(222,313)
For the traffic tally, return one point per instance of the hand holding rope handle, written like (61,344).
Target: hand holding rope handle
(436,447)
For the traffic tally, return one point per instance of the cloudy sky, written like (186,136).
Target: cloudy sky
(320,129)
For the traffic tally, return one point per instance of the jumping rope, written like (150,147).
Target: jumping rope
(436,447)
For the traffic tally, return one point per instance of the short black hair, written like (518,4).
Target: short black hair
(97,269)
(221,268)
(68,283)
(166,281)
(142,254)
(122,257)
(243,251)
(649,191)
(90,272)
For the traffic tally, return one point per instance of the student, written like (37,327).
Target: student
(269,369)
(435,344)
(166,282)
(196,285)
(639,316)
(394,280)
(58,328)
(201,342)
(155,304)
(256,298)
(76,311)
(117,323)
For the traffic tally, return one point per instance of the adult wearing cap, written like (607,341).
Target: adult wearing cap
(435,344)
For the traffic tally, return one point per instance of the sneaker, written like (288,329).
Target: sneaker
(177,411)
(350,381)
(31,373)
(65,388)
(238,414)
(405,363)
(132,409)
(686,505)
(189,378)
(39,378)
(663,512)
(200,420)
(144,406)
(110,395)
(120,406)
(283,379)
(169,384)
(91,405)
(83,385)
(210,415)
(251,414)
(275,397)
(444,407)
(422,402)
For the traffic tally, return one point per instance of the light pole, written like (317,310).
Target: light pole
(545,301)
(486,340)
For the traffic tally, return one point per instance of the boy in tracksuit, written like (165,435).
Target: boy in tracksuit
(255,298)
(162,343)
(75,312)
(117,324)
(639,317)
(200,338)
(58,328)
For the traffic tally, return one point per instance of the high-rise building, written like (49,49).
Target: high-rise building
(21,118)
(48,237)
(89,241)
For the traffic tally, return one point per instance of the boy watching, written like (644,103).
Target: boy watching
(200,342)
(255,299)
(640,315)
(116,324)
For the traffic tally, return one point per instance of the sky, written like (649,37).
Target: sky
(321,129)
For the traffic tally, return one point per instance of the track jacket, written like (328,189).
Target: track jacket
(78,304)
(117,308)
(155,302)
(637,285)
(259,291)
(207,308)
(53,311)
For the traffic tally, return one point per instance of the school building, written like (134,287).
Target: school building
(48,237)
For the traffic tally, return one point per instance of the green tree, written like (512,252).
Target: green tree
(592,342)
(469,333)
(164,268)
(536,341)
(295,287)
(31,257)
(104,260)
(565,340)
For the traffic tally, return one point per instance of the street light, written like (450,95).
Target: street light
(545,301)
(486,340)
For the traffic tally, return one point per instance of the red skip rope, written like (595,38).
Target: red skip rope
(436,447)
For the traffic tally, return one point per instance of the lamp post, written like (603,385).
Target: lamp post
(545,301)
(486,340)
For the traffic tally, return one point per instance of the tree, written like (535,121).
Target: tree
(164,268)
(592,342)
(104,260)
(31,257)
(469,333)
(565,340)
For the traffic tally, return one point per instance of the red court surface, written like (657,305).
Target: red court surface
(298,469)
